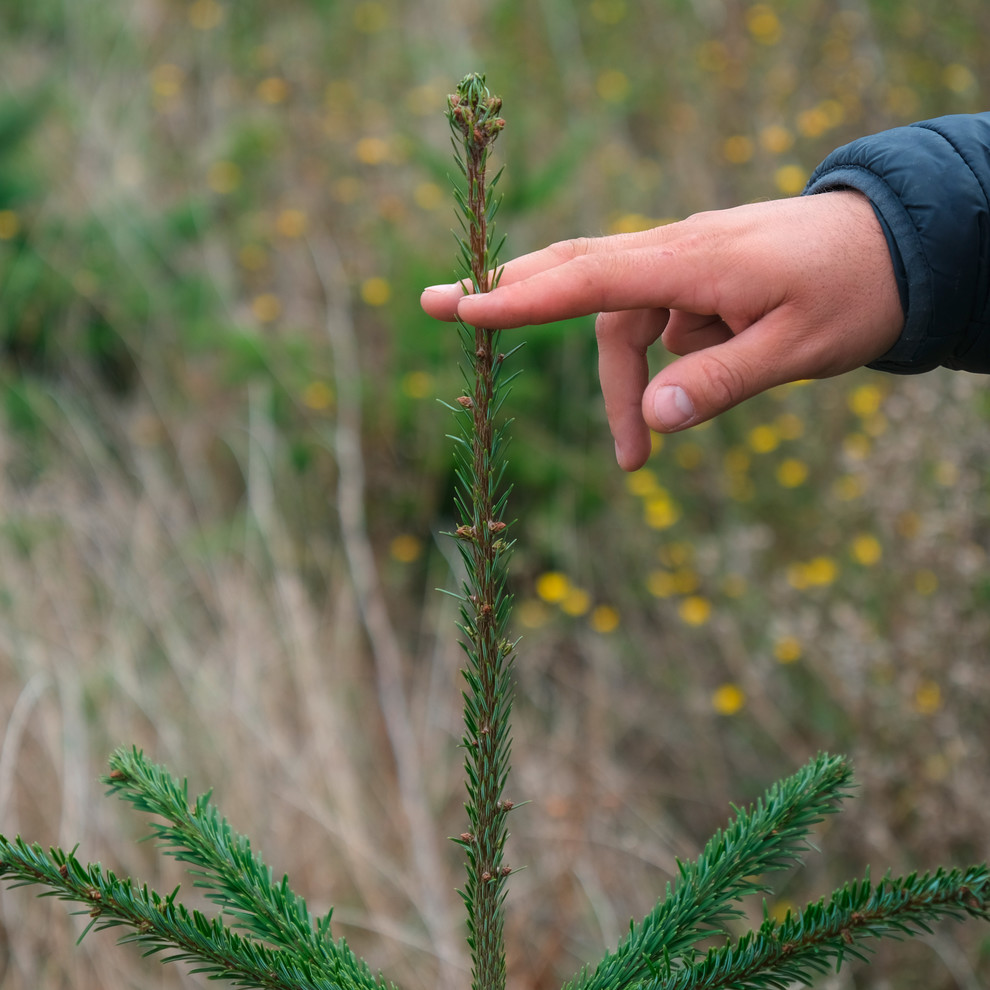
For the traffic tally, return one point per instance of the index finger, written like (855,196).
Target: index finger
(442,301)
(633,276)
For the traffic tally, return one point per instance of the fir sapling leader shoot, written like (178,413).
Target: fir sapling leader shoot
(474,119)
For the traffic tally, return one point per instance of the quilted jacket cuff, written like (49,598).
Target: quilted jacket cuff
(929,184)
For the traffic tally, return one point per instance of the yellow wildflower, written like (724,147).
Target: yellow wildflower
(787,649)
(604,619)
(695,610)
(376,291)
(727,699)
(764,24)
(763,439)
(927,698)
(406,548)
(417,384)
(792,472)
(553,587)
(642,482)
(866,549)
(576,602)
(661,512)
(865,400)
(266,308)
(318,396)
(532,613)
(661,584)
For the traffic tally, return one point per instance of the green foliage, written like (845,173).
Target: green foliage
(284,946)
(807,945)
(768,837)
(18,119)
(660,953)
(234,876)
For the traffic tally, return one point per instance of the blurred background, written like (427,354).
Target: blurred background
(224,472)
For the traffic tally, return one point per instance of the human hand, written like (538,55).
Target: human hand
(750,298)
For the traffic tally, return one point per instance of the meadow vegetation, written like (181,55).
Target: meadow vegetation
(223,470)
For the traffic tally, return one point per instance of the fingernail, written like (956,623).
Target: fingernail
(441,288)
(672,407)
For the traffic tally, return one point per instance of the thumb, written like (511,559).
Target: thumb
(698,386)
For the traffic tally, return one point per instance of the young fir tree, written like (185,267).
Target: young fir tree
(264,936)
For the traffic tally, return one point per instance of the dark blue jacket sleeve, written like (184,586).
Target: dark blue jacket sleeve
(929,184)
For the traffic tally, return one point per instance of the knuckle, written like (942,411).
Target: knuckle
(604,327)
(575,247)
(699,241)
(725,383)
(698,227)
